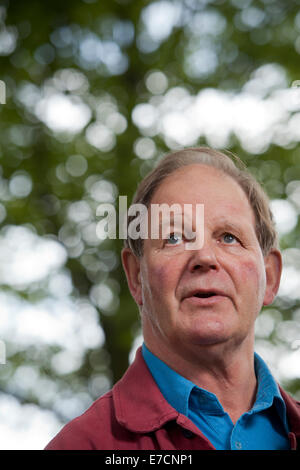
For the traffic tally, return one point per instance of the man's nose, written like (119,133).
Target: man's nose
(203,258)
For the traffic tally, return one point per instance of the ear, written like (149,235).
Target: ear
(131,265)
(273,267)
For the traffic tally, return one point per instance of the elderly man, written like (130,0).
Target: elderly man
(197,383)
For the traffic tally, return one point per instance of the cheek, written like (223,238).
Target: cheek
(160,273)
(157,290)
(251,275)
(160,279)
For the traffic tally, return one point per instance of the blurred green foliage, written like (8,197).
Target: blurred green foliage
(75,72)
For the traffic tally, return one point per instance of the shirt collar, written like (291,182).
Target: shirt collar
(175,388)
(268,392)
(137,390)
(180,392)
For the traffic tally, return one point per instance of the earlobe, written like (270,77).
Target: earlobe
(273,267)
(131,265)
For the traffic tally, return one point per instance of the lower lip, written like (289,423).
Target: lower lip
(205,301)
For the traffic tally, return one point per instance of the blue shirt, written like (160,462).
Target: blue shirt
(264,427)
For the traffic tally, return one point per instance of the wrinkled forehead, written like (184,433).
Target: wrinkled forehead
(194,183)
(200,189)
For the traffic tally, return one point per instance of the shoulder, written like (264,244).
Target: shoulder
(85,431)
(289,399)
(292,410)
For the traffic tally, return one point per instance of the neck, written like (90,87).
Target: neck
(227,372)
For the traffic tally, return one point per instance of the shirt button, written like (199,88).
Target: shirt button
(187,433)
(238,445)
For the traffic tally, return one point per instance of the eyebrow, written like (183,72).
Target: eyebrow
(172,222)
(228,225)
(222,223)
(172,219)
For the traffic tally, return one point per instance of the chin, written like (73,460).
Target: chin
(209,334)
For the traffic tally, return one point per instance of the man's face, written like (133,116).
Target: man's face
(211,295)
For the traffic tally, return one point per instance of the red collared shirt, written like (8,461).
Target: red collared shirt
(134,415)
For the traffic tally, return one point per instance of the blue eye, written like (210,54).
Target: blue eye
(229,238)
(174,239)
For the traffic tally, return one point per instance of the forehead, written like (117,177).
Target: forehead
(198,183)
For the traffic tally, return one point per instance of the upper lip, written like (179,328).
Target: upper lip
(199,291)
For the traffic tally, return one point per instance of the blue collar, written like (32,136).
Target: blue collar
(179,391)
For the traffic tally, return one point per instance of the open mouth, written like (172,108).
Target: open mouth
(204,295)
